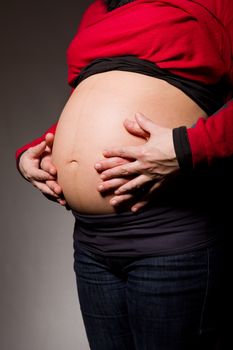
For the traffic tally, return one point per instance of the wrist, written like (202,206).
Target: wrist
(171,147)
(182,148)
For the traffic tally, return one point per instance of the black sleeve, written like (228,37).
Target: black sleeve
(182,148)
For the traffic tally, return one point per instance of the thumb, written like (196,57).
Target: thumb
(36,151)
(144,122)
(134,128)
(49,139)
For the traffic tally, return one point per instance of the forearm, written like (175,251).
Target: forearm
(210,139)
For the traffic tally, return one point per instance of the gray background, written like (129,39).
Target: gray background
(39,305)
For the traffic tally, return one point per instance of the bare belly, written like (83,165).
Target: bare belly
(92,120)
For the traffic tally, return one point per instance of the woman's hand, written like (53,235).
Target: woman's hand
(150,164)
(36,166)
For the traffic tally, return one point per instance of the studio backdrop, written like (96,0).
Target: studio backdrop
(39,304)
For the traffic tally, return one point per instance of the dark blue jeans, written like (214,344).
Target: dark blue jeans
(153,303)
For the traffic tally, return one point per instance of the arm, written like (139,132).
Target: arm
(212,139)
(165,152)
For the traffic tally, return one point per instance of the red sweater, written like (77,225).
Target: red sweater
(193,39)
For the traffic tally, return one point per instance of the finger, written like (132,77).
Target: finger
(39,175)
(145,123)
(56,200)
(134,184)
(111,184)
(142,203)
(59,200)
(62,202)
(47,165)
(134,128)
(139,206)
(156,186)
(44,188)
(115,201)
(49,139)
(131,152)
(121,171)
(37,150)
(53,185)
(110,163)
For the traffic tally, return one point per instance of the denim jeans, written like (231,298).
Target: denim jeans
(153,303)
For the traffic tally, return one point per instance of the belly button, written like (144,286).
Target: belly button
(73,161)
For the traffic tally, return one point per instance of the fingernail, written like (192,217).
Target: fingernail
(134,209)
(100,187)
(103,177)
(98,166)
(113,201)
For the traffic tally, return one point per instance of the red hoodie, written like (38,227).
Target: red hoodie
(193,39)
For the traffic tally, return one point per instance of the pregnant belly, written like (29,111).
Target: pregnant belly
(92,120)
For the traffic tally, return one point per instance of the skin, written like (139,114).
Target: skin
(36,166)
(150,164)
(75,153)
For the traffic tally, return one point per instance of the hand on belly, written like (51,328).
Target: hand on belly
(151,163)
(92,121)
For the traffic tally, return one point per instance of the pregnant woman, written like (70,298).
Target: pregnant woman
(150,279)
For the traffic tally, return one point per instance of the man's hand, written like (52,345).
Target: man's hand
(149,164)
(36,166)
